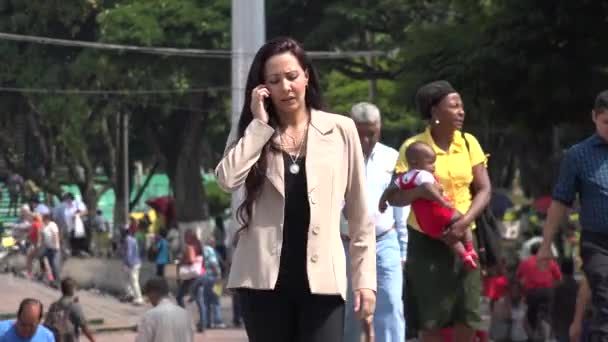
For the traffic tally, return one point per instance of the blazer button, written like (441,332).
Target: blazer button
(314,258)
(315,230)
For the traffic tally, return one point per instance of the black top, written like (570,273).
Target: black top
(292,270)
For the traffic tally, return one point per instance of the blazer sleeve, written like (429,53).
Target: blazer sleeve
(240,157)
(361,229)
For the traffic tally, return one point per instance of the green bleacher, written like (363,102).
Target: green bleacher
(159,186)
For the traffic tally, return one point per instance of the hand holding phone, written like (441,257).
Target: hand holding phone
(259,96)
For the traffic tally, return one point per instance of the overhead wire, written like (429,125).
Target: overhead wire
(171,51)
(111,91)
(165,51)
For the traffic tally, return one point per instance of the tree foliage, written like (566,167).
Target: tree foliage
(528,71)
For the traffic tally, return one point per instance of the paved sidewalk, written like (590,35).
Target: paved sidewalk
(115,315)
(227,335)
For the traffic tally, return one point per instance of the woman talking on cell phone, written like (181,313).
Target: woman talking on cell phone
(299,167)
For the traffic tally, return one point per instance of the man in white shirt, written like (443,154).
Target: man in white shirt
(391,232)
(73,212)
(166,321)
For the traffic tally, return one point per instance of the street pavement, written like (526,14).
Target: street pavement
(225,335)
(119,319)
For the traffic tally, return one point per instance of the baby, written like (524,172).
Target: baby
(434,212)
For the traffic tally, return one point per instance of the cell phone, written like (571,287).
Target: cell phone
(267,104)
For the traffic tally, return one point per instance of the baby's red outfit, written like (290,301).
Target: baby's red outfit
(433,218)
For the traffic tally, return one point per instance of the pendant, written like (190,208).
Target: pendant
(294,169)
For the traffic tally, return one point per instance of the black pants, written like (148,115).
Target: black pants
(160,270)
(538,301)
(275,316)
(78,245)
(594,252)
(237,316)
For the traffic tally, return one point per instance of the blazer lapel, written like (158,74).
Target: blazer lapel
(319,153)
(275,170)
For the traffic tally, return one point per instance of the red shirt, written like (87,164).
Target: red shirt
(447,334)
(432,217)
(533,278)
(36,227)
(495,288)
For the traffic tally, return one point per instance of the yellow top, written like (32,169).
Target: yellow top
(453,168)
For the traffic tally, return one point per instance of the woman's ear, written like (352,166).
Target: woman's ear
(433,112)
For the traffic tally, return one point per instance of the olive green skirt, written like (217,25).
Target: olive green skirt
(439,291)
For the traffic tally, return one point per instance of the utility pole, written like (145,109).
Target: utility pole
(125,166)
(121,206)
(248,34)
(372,83)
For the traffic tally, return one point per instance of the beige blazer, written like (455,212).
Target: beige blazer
(335,171)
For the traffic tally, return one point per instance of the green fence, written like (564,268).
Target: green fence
(159,185)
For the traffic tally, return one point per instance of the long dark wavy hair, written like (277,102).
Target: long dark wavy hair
(255,178)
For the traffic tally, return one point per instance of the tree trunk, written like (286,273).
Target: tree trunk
(186,181)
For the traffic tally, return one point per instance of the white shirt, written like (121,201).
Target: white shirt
(69,213)
(379,169)
(165,322)
(50,236)
(422,176)
(42,209)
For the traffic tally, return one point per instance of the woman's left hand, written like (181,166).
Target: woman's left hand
(456,231)
(365,303)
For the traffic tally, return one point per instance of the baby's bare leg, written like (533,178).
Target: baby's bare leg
(468,236)
(457,247)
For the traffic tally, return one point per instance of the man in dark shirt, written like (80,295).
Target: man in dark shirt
(584,172)
(70,304)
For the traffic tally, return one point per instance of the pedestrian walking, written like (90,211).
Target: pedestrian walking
(51,245)
(210,311)
(299,167)
(391,233)
(166,321)
(439,293)
(27,326)
(584,174)
(161,248)
(34,250)
(66,318)
(538,288)
(132,265)
(190,267)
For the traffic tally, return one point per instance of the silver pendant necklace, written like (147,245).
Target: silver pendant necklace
(294,168)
